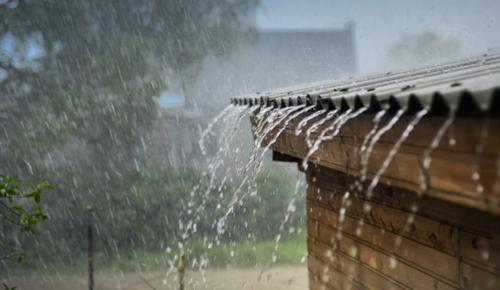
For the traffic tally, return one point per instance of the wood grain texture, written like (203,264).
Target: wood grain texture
(463,171)
(444,248)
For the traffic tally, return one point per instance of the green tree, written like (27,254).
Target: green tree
(20,212)
(78,87)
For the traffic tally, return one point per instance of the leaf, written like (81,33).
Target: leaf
(17,207)
(5,287)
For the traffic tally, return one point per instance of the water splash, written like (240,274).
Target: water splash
(344,205)
(364,146)
(346,198)
(330,115)
(291,209)
(343,121)
(424,176)
(281,130)
(476,176)
(265,117)
(287,115)
(392,153)
(376,122)
(208,131)
(388,159)
(279,116)
(269,119)
(366,156)
(304,121)
(230,121)
(269,123)
(427,155)
(335,127)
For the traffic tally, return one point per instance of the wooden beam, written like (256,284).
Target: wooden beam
(463,170)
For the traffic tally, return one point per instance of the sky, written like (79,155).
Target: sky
(379,23)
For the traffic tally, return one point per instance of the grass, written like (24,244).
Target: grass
(240,254)
(243,254)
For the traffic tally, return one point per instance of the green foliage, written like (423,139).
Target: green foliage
(79,113)
(146,217)
(242,254)
(5,287)
(21,210)
(80,110)
(276,189)
(22,207)
(255,253)
(89,98)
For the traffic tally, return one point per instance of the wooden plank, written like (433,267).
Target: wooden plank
(315,283)
(476,243)
(369,278)
(465,218)
(331,276)
(451,175)
(312,228)
(434,208)
(409,252)
(465,131)
(451,170)
(474,278)
(439,235)
(481,250)
(388,265)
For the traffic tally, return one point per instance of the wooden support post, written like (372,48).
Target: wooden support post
(90,241)
(181,269)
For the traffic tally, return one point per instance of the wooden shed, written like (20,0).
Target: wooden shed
(403,189)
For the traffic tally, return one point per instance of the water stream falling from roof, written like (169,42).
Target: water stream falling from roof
(292,117)
(479,150)
(230,118)
(335,126)
(427,155)
(290,210)
(376,123)
(269,123)
(367,153)
(330,115)
(279,117)
(367,208)
(304,121)
(319,140)
(357,183)
(394,150)
(269,119)
(424,174)
(208,131)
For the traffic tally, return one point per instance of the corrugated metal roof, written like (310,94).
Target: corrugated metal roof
(469,87)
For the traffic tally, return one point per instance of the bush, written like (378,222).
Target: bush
(160,207)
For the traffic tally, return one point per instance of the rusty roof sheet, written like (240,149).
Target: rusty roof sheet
(467,87)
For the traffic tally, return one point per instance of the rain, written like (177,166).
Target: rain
(249,144)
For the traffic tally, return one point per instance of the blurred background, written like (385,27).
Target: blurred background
(107,101)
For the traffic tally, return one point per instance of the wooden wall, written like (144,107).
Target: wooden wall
(451,170)
(448,246)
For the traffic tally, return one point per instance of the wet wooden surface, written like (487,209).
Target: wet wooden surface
(447,237)
(464,168)
(443,248)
